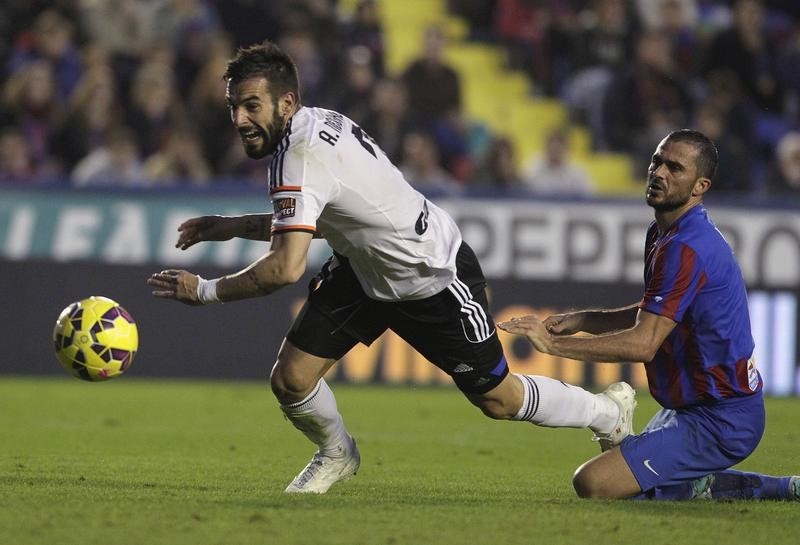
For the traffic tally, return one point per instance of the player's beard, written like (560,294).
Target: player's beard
(661,201)
(269,138)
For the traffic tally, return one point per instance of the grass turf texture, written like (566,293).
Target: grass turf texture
(176,462)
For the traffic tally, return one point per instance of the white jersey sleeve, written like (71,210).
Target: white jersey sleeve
(327,175)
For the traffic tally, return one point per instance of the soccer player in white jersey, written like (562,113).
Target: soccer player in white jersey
(398,263)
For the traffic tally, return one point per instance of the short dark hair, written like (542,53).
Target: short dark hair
(707,155)
(265,60)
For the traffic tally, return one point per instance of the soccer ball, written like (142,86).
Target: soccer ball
(95,339)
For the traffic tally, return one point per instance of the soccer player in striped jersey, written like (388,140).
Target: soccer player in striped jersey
(399,263)
(692,331)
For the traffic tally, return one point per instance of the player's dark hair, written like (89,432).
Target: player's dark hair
(707,155)
(265,60)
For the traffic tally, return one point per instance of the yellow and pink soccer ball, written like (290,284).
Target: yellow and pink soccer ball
(95,339)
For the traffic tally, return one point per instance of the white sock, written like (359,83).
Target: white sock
(555,404)
(317,416)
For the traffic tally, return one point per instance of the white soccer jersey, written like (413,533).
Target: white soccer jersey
(328,175)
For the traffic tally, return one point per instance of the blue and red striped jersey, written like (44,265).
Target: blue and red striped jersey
(692,277)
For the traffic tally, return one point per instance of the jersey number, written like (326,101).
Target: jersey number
(365,140)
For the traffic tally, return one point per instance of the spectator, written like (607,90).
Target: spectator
(784,176)
(31,104)
(189,27)
(646,101)
(123,27)
(365,30)
(50,40)
(207,107)
(387,120)
(116,163)
(539,37)
(498,169)
(789,72)
(302,46)
(607,37)
(356,89)
(677,19)
(745,50)
(604,45)
(248,21)
(652,12)
(420,165)
(93,111)
(461,141)
(16,160)
(734,169)
(480,16)
(724,93)
(434,88)
(554,173)
(180,160)
(155,107)
(237,168)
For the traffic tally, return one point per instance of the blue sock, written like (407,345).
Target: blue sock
(728,484)
(734,484)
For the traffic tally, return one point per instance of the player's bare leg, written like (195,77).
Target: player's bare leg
(310,406)
(606,476)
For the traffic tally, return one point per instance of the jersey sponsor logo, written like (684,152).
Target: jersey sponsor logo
(285,207)
(650,468)
(752,374)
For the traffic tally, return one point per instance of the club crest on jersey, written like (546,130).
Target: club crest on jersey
(284,207)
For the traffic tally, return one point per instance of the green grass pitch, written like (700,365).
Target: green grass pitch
(186,462)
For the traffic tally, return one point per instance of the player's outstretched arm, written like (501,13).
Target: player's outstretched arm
(594,321)
(249,226)
(284,264)
(637,343)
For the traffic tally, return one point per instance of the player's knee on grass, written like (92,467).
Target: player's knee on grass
(583,485)
(605,477)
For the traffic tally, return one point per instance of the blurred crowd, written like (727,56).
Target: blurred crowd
(129,92)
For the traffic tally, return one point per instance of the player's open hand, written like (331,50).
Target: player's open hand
(196,230)
(531,327)
(564,324)
(174,284)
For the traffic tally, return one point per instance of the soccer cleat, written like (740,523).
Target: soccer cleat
(701,488)
(622,395)
(794,488)
(323,470)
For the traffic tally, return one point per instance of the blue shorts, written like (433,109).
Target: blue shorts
(678,445)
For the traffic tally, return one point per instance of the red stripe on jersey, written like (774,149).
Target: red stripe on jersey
(280,188)
(722,381)
(682,281)
(304,228)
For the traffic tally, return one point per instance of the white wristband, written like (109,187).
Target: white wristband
(207,290)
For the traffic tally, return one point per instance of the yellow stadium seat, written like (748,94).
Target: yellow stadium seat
(499,98)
